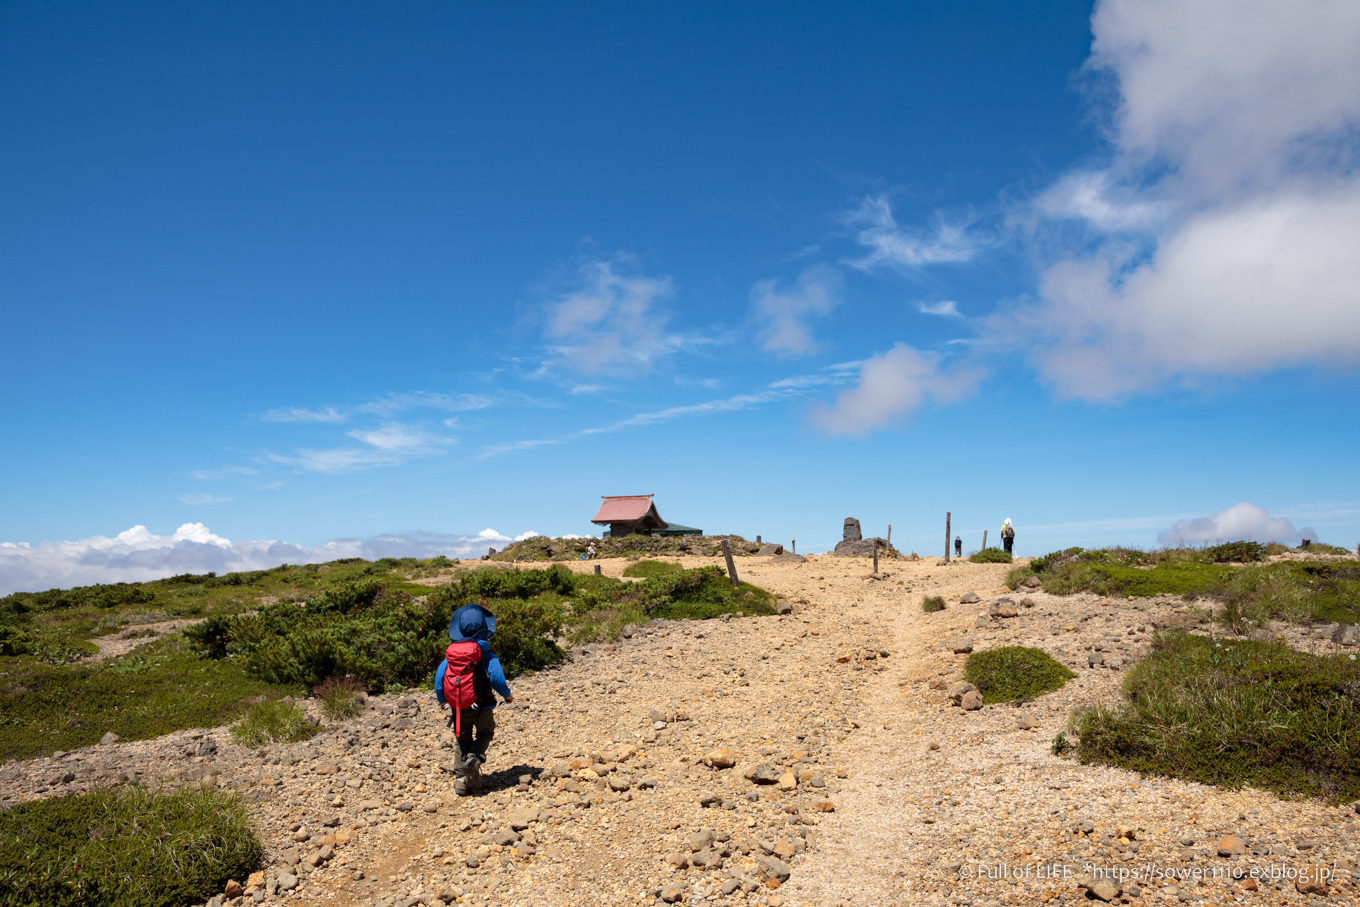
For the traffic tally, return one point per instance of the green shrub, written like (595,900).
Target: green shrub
(932,603)
(991,556)
(341,697)
(1233,713)
(273,721)
(1017,575)
(1320,548)
(129,847)
(15,640)
(647,569)
(1014,672)
(1235,553)
(526,637)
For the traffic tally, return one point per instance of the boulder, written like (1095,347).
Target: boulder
(958,690)
(861,547)
(765,774)
(971,701)
(969,598)
(770,550)
(851,531)
(960,646)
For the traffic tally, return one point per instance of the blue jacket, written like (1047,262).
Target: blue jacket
(493,671)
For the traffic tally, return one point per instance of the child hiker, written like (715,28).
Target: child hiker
(463,684)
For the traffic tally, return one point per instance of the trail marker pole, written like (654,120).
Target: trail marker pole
(875,558)
(731,565)
(794,547)
(984,540)
(890,536)
(597,569)
(947,515)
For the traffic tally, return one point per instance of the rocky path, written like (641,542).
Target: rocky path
(812,758)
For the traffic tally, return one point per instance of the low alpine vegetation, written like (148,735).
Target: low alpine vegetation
(1014,672)
(341,697)
(1233,713)
(273,721)
(932,603)
(125,847)
(1253,591)
(991,556)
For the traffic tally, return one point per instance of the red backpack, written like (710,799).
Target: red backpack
(466,684)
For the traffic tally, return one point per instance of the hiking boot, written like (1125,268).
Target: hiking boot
(474,772)
(460,787)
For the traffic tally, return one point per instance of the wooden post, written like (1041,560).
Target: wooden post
(597,569)
(984,540)
(731,566)
(794,547)
(758,541)
(875,558)
(890,536)
(947,533)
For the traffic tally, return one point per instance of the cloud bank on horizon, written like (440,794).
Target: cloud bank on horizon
(137,555)
(1241,522)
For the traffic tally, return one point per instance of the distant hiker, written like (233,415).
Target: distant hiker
(590,551)
(958,546)
(1007,535)
(463,684)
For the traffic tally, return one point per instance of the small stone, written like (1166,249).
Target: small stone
(969,598)
(788,782)
(700,839)
(677,860)
(971,701)
(1025,724)
(1104,889)
(1310,881)
(721,758)
(108,738)
(505,837)
(1231,846)
(773,868)
(287,881)
(765,774)
(255,881)
(233,889)
(520,819)
(672,892)
(960,646)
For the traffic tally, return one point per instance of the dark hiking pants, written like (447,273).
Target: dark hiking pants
(1008,541)
(479,726)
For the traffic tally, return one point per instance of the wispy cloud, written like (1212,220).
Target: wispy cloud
(613,321)
(892,246)
(382,406)
(947,308)
(387,445)
(784,314)
(226,472)
(784,389)
(203,499)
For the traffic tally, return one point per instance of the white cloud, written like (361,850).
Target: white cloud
(891,386)
(226,472)
(138,555)
(200,498)
(613,322)
(784,313)
(947,308)
(390,444)
(301,414)
(890,245)
(1240,522)
(1225,226)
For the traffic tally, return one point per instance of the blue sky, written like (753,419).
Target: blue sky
(281,282)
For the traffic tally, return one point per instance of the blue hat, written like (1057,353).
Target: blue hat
(471,622)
